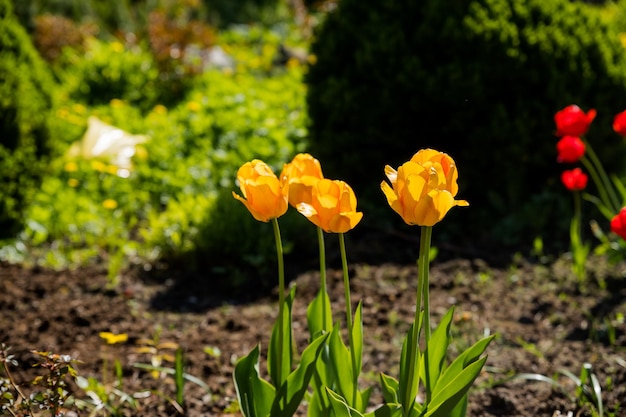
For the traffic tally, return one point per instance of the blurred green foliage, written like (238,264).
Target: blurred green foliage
(110,70)
(26,97)
(480,80)
(175,206)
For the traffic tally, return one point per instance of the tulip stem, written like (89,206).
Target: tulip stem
(346,289)
(320,238)
(604,185)
(281,301)
(423,266)
(579,252)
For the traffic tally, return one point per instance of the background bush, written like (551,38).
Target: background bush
(176,206)
(26,98)
(480,80)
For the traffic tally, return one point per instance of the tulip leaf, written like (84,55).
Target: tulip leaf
(255,394)
(340,359)
(409,363)
(462,361)
(460,410)
(447,398)
(273,354)
(340,407)
(436,351)
(389,386)
(290,394)
(386,410)
(357,339)
(319,314)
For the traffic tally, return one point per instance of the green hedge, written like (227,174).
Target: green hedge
(26,97)
(480,80)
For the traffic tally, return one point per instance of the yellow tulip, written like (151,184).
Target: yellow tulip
(332,207)
(300,175)
(263,193)
(422,190)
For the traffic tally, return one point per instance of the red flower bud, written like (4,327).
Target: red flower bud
(619,123)
(572,121)
(574,179)
(570,149)
(618,223)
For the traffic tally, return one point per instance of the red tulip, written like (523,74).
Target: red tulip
(618,223)
(570,149)
(574,179)
(619,123)
(572,121)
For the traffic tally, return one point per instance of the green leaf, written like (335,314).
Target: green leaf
(273,350)
(436,350)
(386,410)
(255,394)
(290,394)
(340,407)
(389,386)
(319,314)
(468,356)
(447,397)
(409,362)
(340,360)
(357,338)
(460,410)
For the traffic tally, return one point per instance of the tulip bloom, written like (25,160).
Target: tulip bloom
(618,223)
(301,174)
(572,121)
(619,123)
(574,179)
(332,207)
(570,149)
(263,194)
(422,190)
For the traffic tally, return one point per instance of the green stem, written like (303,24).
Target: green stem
(346,289)
(320,238)
(423,265)
(421,299)
(612,196)
(281,301)
(578,256)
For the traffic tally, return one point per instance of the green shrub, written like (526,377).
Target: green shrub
(480,80)
(176,205)
(26,97)
(107,71)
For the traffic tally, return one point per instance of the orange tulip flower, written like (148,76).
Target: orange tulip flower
(263,193)
(332,207)
(422,190)
(301,174)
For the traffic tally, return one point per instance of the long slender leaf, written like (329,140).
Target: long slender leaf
(447,398)
(290,394)
(319,314)
(340,359)
(437,349)
(340,407)
(179,377)
(468,356)
(386,410)
(273,350)
(255,394)
(389,386)
(357,338)
(408,384)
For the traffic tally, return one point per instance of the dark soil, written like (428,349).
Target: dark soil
(543,320)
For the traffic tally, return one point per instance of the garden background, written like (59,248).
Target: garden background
(122,127)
